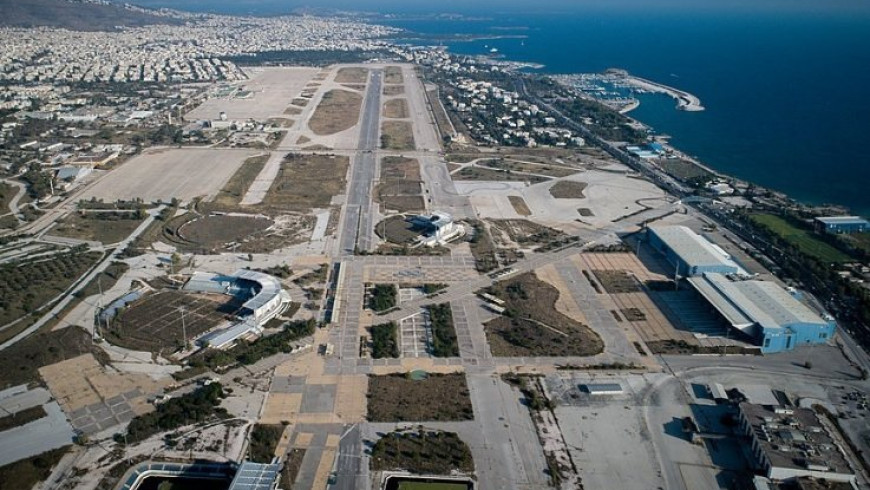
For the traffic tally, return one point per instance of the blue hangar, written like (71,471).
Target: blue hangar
(761,310)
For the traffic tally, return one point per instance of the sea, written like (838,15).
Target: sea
(786,84)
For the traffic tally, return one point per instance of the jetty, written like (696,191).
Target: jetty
(685,100)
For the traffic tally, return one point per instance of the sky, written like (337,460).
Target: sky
(481,7)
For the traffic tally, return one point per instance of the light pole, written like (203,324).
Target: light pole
(183,326)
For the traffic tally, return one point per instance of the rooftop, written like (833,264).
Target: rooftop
(693,248)
(746,303)
(256,476)
(794,438)
(841,220)
(269,288)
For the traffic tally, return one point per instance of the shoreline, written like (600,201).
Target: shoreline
(685,101)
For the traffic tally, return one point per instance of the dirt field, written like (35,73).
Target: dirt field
(535,327)
(308,181)
(397,230)
(520,205)
(398,398)
(397,135)
(404,204)
(231,193)
(272,89)
(352,75)
(82,382)
(400,168)
(154,322)
(393,75)
(529,167)
(522,232)
(396,109)
(214,231)
(19,362)
(88,226)
(390,90)
(338,111)
(616,281)
(568,189)
(160,175)
(486,174)
(400,185)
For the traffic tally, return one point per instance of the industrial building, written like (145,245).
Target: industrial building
(790,443)
(843,224)
(763,311)
(264,299)
(689,253)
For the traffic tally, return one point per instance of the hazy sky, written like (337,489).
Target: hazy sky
(478,7)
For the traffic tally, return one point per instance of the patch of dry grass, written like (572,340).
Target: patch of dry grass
(397,135)
(396,109)
(338,111)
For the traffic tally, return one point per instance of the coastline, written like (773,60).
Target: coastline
(685,101)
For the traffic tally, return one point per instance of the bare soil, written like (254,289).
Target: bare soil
(568,189)
(396,109)
(338,111)
(352,75)
(520,205)
(397,135)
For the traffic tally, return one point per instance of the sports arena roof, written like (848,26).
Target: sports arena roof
(269,288)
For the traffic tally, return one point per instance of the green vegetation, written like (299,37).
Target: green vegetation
(291,467)
(531,325)
(482,248)
(799,238)
(432,288)
(264,440)
(444,342)
(38,181)
(438,397)
(382,297)
(385,340)
(606,122)
(28,472)
(28,285)
(487,174)
(198,406)
(247,353)
(104,227)
(20,361)
(20,418)
(422,452)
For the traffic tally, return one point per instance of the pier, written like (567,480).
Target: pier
(685,100)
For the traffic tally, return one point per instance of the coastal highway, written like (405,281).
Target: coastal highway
(662,179)
(356,231)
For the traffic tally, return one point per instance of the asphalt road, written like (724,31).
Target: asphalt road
(358,221)
(347,466)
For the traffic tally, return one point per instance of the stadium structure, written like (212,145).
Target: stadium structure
(264,299)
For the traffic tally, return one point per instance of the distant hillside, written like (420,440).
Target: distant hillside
(74,15)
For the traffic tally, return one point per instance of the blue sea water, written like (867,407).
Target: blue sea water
(785,82)
(786,95)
